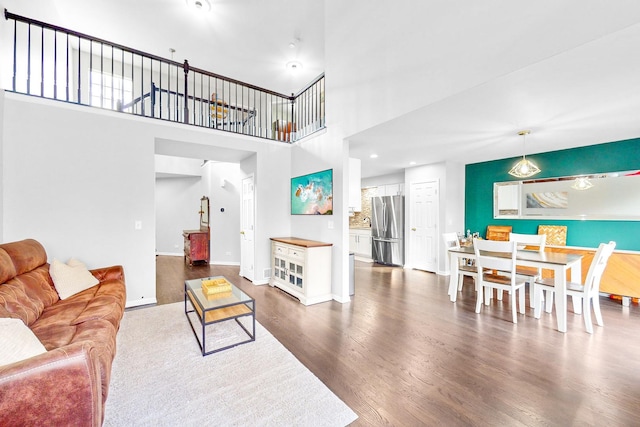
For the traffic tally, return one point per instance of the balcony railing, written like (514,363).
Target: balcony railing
(55,63)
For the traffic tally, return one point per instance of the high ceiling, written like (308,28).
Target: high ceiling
(479,72)
(474,73)
(247,40)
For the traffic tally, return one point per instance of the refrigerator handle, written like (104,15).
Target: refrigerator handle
(384,218)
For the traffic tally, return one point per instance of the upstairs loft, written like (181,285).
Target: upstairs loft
(60,64)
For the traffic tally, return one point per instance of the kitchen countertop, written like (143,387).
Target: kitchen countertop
(359,228)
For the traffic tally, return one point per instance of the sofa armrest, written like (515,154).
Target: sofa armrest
(59,387)
(115,272)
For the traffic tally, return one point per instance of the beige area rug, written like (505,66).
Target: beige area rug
(160,378)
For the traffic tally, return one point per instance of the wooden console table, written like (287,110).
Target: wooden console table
(196,245)
(621,277)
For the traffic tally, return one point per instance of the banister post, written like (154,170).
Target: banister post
(186,88)
(294,128)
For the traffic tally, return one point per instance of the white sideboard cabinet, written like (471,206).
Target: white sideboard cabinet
(302,268)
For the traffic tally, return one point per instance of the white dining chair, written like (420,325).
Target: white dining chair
(587,293)
(497,259)
(538,241)
(451,242)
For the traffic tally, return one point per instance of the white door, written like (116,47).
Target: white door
(423,230)
(247,223)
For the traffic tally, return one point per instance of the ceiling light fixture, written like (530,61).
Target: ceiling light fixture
(582,183)
(294,66)
(524,168)
(374,156)
(203,5)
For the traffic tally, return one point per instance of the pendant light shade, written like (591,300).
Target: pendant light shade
(524,168)
(582,183)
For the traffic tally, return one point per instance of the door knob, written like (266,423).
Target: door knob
(413,229)
(242,232)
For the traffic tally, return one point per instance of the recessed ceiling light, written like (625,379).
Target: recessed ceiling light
(203,5)
(412,163)
(293,66)
(374,156)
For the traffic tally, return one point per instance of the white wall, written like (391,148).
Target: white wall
(77,182)
(326,151)
(272,174)
(374,181)
(225,226)
(77,179)
(2,170)
(450,177)
(177,206)
(171,166)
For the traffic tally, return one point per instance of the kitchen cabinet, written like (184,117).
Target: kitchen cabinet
(390,190)
(302,268)
(360,243)
(355,190)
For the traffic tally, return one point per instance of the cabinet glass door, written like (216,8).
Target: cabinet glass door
(279,268)
(296,274)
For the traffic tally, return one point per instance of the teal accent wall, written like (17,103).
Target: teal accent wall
(609,157)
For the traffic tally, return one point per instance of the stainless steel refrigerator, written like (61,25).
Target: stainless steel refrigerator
(387,229)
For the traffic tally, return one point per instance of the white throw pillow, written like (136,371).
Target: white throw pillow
(18,342)
(71,278)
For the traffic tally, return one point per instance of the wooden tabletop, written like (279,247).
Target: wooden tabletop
(534,256)
(300,242)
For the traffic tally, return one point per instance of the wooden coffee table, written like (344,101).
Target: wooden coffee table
(216,309)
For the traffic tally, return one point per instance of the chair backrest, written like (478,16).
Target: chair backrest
(451,240)
(495,255)
(556,234)
(498,232)
(539,240)
(599,263)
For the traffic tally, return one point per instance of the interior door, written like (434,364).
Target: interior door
(247,223)
(423,230)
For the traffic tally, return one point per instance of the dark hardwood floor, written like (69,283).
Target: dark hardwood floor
(400,353)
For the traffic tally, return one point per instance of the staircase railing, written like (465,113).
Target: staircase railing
(56,63)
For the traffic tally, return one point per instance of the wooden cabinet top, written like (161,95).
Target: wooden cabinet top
(300,242)
(187,232)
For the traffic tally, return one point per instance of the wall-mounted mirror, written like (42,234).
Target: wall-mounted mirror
(204,212)
(604,196)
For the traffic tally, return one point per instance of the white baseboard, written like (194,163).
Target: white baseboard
(213,262)
(142,301)
(340,299)
(261,282)
(235,263)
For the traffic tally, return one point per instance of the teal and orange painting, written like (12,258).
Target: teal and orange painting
(312,194)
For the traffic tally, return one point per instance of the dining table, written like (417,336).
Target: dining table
(559,263)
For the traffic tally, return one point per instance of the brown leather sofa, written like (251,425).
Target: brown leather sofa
(68,384)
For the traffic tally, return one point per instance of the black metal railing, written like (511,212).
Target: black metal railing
(56,63)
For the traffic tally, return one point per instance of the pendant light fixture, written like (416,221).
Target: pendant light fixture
(582,183)
(524,168)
